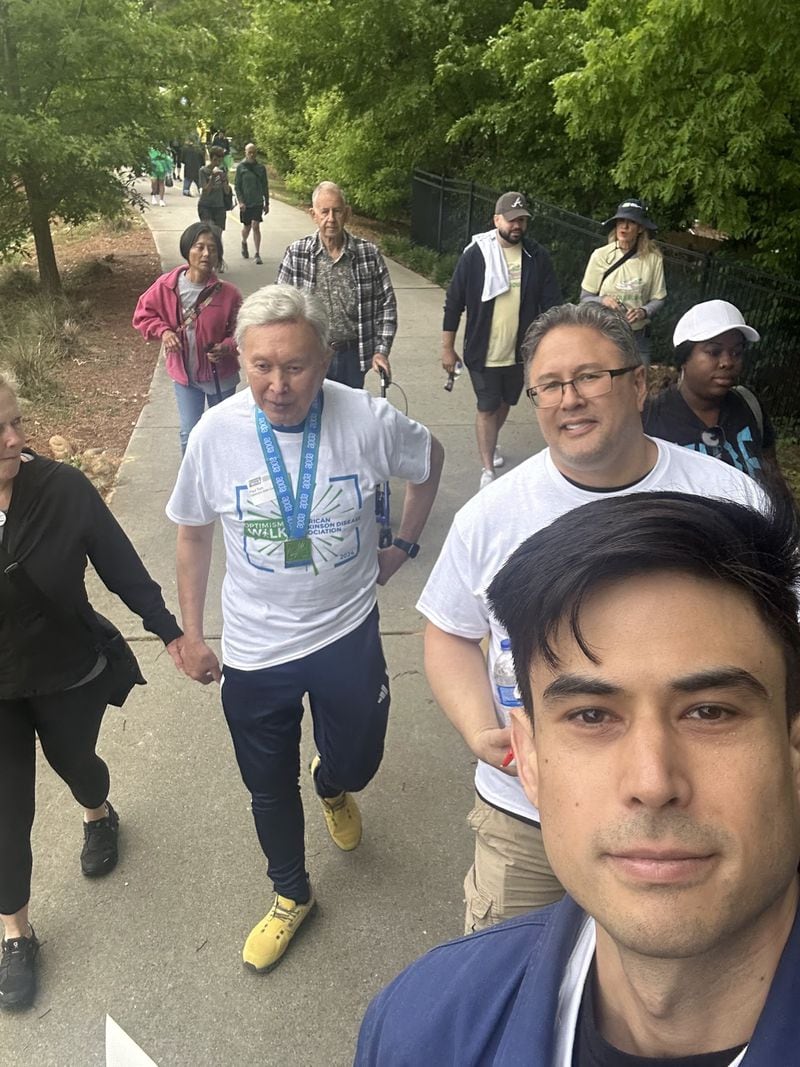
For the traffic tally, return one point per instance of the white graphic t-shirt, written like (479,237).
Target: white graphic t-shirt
(273,613)
(498,519)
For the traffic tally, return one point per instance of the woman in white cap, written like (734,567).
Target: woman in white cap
(707,410)
(628,272)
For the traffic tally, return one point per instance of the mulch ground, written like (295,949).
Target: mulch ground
(104,384)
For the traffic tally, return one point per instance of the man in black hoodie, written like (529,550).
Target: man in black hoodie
(503,281)
(252,192)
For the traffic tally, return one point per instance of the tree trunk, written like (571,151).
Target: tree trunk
(43,239)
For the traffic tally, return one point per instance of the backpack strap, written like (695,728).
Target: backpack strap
(754,404)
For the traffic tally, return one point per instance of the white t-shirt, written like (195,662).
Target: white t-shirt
(498,519)
(273,614)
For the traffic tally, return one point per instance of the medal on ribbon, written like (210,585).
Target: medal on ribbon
(295,508)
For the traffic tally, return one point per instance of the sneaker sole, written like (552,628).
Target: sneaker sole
(102,871)
(251,967)
(18,1004)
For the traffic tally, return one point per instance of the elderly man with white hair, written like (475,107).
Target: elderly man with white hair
(291,466)
(350,276)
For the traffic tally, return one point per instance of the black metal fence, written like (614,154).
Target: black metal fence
(446,212)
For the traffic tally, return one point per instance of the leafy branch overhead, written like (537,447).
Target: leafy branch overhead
(692,104)
(84,91)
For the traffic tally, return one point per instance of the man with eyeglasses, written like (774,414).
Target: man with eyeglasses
(587,386)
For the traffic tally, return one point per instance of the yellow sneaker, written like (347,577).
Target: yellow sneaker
(342,816)
(268,941)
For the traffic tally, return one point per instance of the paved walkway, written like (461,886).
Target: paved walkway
(157,944)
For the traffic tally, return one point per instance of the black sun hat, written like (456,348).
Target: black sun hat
(634,210)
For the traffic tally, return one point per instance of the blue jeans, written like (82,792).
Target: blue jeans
(191,405)
(348,690)
(345,367)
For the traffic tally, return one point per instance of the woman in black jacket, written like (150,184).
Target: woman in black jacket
(55,676)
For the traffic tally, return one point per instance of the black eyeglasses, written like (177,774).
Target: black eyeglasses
(590,383)
(714,439)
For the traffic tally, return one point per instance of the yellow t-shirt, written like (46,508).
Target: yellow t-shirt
(634,284)
(502,351)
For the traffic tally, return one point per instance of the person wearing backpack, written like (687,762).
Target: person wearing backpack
(707,410)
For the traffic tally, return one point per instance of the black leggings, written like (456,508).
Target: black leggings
(67,724)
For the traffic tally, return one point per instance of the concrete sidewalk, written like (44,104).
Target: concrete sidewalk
(157,944)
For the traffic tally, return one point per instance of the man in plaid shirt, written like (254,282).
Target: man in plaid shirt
(350,276)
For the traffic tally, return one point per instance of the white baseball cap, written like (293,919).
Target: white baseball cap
(710,319)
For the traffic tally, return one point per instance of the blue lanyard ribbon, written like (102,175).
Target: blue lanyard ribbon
(295,509)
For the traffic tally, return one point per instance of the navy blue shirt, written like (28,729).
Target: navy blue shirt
(491,1000)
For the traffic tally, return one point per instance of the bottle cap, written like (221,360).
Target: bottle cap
(505,645)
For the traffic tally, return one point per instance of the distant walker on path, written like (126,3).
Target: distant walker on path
(252,192)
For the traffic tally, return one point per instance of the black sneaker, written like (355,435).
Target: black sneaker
(18,971)
(258,260)
(245,253)
(100,840)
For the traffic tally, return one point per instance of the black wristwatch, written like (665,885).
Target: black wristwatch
(411,550)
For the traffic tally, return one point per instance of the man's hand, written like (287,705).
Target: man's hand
(381,363)
(492,745)
(449,359)
(175,649)
(170,340)
(636,315)
(199,661)
(390,560)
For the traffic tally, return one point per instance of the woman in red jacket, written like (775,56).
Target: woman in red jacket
(193,314)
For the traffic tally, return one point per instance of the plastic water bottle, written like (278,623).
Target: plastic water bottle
(505,678)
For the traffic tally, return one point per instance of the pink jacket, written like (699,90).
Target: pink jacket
(158,310)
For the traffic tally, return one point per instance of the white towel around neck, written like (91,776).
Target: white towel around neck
(495,279)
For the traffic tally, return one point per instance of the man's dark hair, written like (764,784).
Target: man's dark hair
(547,580)
(197,229)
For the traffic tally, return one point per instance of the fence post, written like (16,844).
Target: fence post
(707,258)
(471,201)
(440,220)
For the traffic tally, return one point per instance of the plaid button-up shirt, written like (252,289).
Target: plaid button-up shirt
(377,306)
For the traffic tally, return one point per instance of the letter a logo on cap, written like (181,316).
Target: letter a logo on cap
(518,202)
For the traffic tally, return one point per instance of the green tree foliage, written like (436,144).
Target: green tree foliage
(349,90)
(510,134)
(703,99)
(79,99)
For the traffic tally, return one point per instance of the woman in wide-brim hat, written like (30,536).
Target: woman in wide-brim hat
(628,272)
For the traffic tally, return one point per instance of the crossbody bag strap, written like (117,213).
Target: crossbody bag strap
(202,302)
(619,262)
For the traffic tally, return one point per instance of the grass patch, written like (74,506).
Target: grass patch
(432,265)
(788,451)
(37,333)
